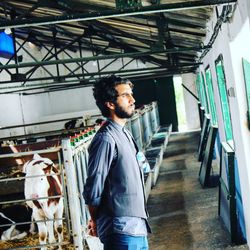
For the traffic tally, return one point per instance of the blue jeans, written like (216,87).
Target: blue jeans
(125,242)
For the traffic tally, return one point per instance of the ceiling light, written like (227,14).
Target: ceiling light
(7,31)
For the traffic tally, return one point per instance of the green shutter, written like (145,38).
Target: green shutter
(211,96)
(223,99)
(246,70)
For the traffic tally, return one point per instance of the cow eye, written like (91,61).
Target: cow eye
(41,179)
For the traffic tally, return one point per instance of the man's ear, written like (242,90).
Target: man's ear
(110,105)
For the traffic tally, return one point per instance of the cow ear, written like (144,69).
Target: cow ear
(36,157)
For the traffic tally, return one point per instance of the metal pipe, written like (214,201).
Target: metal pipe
(38,123)
(112,13)
(30,54)
(117,55)
(72,76)
(73,195)
(186,88)
(19,154)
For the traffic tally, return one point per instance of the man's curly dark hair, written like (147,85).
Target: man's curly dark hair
(104,91)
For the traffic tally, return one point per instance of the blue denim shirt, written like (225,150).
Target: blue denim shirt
(105,154)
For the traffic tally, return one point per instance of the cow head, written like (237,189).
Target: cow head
(44,164)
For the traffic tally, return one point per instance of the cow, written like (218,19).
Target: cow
(10,217)
(74,123)
(41,181)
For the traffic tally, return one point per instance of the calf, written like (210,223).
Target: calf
(38,185)
(74,123)
(15,214)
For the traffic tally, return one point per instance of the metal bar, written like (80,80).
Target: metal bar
(188,90)
(34,58)
(70,70)
(70,76)
(126,64)
(19,154)
(74,203)
(113,13)
(20,47)
(15,50)
(65,200)
(82,66)
(124,73)
(232,197)
(22,113)
(55,52)
(60,50)
(138,73)
(29,222)
(118,55)
(108,64)
(38,123)
(32,71)
(147,75)
(24,200)
(26,177)
(41,86)
(100,70)
(38,135)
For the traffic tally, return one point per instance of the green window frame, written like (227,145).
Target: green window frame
(221,80)
(210,89)
(246,71)
(200,85)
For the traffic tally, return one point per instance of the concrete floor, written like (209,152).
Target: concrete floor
(183,215)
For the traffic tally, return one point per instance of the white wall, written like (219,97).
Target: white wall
(191,104)
(233,43)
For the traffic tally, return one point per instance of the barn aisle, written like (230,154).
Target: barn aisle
(182,214)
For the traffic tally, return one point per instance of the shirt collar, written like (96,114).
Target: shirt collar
(115,124)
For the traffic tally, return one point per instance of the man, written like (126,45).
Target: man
(114,189)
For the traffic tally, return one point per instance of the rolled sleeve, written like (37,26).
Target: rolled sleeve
(101,154)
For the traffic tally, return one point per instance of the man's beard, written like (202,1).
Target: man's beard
(121,113)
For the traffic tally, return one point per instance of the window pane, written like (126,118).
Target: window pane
(204,94)
(200,83)
(211,96)
(223,99)
(246,68)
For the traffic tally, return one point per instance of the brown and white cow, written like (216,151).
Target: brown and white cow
(40,184)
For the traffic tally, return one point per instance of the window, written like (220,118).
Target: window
(211,96)
(200,85)
(223,98)
(246,69)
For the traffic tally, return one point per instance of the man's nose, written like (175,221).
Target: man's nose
(132,99)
